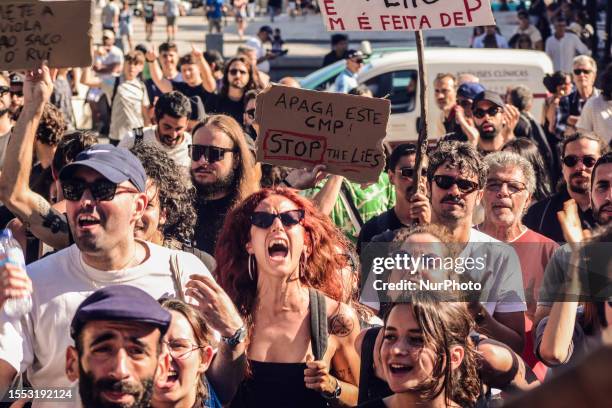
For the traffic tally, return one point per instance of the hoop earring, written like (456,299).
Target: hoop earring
(251,265)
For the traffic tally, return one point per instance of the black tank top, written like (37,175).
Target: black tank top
(370,386)
(282,384)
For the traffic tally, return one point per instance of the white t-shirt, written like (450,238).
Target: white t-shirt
(504,287)
(596,116)
(60,283)
(180,153)
(130,98)
(563,51)
(255,42)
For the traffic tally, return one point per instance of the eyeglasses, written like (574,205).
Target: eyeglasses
(358,60)
(180,349)
(101,190)
(250,113)
(4,90)
(514,187)
(409,172)
(492,111)
(235,72)
(212,154)
(572,160)
(579,71)
(17,93)
(446,182)
(264,220)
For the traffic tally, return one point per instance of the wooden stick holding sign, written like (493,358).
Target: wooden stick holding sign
(415,15)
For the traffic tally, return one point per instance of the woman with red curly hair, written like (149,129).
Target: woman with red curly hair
(280,259)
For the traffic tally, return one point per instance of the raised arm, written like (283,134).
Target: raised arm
(157,76)
(45,223)
(90,79)
(208,80)
(326,198)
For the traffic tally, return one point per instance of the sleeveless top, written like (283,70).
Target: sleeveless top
(282,384)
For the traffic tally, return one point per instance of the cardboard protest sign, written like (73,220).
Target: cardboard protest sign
(300,128)
(34,31)
(404,15)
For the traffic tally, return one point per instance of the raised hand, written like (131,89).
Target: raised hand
(38,86)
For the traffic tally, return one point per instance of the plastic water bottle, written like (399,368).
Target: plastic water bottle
(10,248)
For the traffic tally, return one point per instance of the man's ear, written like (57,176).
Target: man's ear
(456,356)
(140,205)
(479,196)
(72,363)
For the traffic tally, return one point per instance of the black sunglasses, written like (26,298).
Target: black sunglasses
(578,71)
(16,93)
(4,89)
(409,172)
(263,219)
(235,71)
(446,182)
(101,190)
(212,154)
(572,160)
(250,113)
(492,111)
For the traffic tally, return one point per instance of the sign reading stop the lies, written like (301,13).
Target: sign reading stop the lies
(404,15)
(300,128)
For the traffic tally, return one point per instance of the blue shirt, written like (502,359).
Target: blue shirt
(216,8)
(346,81)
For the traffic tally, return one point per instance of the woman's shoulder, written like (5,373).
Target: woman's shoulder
(342,318)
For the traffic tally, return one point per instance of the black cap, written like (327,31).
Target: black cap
(400,151)
(16,79)
(120,303)
(354,54)
(114,163)
(267,29)
(490,96)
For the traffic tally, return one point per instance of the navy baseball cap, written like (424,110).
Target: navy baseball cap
(470,90)
(490,96)
(120,303)
(114,163)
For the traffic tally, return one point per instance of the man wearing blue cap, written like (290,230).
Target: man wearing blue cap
(459,125)
(117,356)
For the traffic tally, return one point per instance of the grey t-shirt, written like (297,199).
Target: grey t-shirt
(4,139)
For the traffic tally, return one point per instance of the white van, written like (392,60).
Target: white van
(395,75)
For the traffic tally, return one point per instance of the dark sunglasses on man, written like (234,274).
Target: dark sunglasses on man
(17,93)
(101,190)
(250,113)
(264,219)
(492,111)
(4,90)
(579,71)
(409,172)
(212,154)
(572,160)
(235,72)
(446,182)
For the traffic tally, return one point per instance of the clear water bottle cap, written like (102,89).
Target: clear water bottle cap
(6,234)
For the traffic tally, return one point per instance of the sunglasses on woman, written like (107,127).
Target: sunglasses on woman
(212,154)
(250,113)
(492,111)
(572,160)
(446,182)
(101,190)
(264,220)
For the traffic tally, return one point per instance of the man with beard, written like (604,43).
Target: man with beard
(578,155)
(224,173)
(456,177)
(407,207)
(16,91)
(556,274)
(445,93)
(494,120)
(172,111)
(118,352)
(237,81)
(5,118)
(507,194)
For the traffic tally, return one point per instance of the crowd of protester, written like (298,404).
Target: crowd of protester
(168,268)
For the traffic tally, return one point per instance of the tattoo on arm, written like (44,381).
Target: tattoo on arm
(341,325)
(51,218)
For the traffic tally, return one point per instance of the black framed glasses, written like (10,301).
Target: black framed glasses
(250,113)
(101,190)
(264,220)
(514,187)
(212,154)
(446,182)
(579,71)
(180,349)
(235,71)
(492,111)
(409,172)
(572,160)
(4,90)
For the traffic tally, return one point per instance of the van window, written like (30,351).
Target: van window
(401,86)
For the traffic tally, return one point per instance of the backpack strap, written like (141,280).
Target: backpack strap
(318,323)
(115,86)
